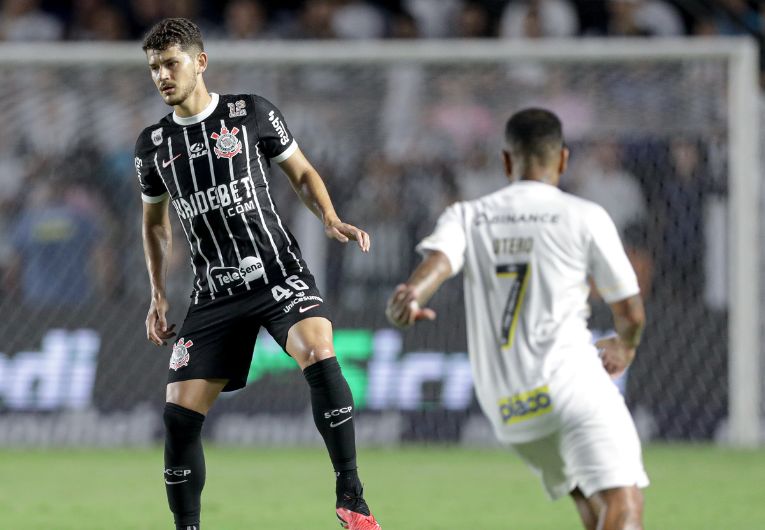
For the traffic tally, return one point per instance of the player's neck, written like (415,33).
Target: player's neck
(544,178)
(195,103)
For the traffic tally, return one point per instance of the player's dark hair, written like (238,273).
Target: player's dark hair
(168,32)
(534,133)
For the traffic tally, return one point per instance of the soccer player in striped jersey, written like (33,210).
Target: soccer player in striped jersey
(528,251)
(212,159)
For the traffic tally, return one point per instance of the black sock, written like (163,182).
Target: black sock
(347,483)
(332,404)
(184,464)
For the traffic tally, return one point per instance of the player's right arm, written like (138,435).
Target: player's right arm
(618,352)
(157,238)
(443,253)
(616,281)
(405,304)
(157,245)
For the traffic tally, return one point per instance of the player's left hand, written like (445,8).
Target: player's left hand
(403,310)
(344,232)
(615,355)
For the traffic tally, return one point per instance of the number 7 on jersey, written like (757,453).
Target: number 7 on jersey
(516,276)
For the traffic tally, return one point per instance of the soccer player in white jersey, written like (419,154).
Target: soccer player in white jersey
(528,251)
(214,159)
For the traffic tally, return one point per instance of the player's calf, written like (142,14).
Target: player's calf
(184,464)
(620,509)
(332,404)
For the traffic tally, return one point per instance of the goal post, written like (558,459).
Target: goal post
(307,74)
(745,343)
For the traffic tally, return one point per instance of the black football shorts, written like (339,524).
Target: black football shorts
(217,338)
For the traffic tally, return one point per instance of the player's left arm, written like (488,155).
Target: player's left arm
(310,187)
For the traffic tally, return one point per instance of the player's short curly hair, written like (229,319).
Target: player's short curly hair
(535,133)
(168,32)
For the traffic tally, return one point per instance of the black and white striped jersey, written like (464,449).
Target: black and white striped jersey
(215,167)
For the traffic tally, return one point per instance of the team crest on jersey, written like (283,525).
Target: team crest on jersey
(227,145)
(156,136)
(180,356)
(236,109)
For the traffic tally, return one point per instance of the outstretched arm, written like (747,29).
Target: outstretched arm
(405,304)
(309,186)
(157,244)
(629,320)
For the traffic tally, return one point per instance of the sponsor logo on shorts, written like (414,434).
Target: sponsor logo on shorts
(526,405)
(301,300)
(249,270)
(180,356)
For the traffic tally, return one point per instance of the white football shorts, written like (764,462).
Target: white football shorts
(594,451)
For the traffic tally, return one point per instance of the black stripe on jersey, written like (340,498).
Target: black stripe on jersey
(210,283)
(214,181)
(257,201)
(242,215)
(273,207)
(196,189)
(191,246)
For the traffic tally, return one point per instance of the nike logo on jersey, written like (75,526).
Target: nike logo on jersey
(166,163)
(175,482)
(304,309)
(333,425)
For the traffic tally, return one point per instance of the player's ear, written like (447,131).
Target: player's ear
(564,154)
(507,161)
(201,62)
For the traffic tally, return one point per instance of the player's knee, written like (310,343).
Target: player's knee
(180,421)
(315,353)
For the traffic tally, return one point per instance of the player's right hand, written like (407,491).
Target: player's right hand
(615,355)
(403,310)
(157,330)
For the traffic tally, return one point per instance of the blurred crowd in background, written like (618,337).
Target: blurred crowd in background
(395,144)
(22,20)
(32,176)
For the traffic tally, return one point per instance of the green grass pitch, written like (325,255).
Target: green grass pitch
(426,488)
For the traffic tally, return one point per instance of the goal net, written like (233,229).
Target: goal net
(663,134)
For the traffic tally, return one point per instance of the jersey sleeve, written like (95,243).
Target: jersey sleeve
(153,190)
(448,237)
(608,264)
(276,139)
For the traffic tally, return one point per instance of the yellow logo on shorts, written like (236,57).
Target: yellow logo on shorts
(525,405)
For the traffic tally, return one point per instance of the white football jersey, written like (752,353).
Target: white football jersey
(527,251)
